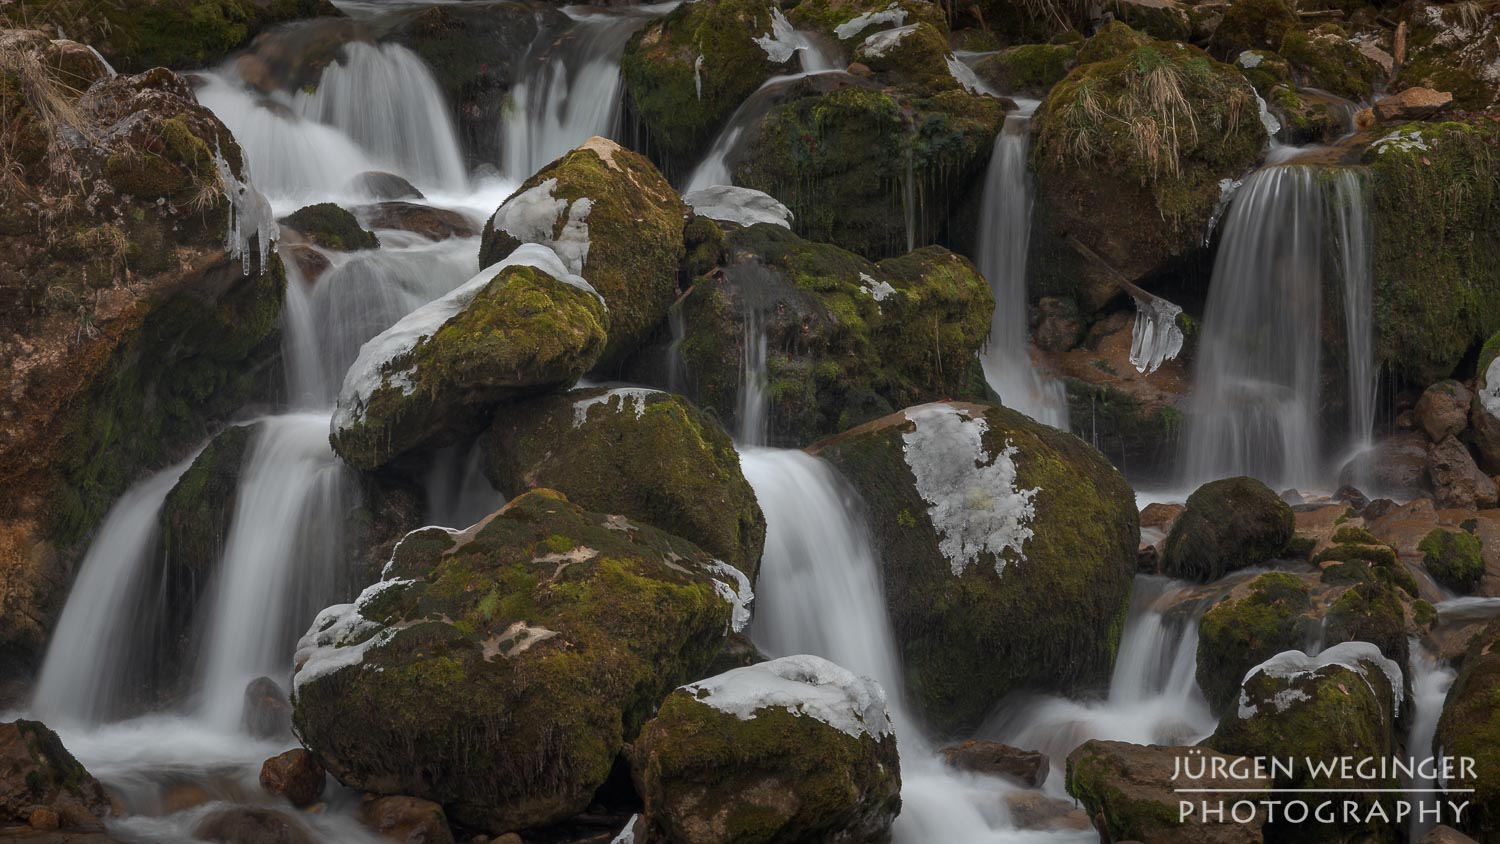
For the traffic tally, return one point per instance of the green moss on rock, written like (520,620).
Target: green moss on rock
(1239,633)
(647,455)
(500,676)
(916,57)
(331,227)
(41,773)
(1046,617)
(1470,726)
(1253,25)
(1324,57)
(1028,70)
(1228,525)
(1454,559)
(1453,47)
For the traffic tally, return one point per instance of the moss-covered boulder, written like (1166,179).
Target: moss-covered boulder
(913,56)
(1453,47)
(1306,710)
(1454,558)
(1228,525)
(795,750)
(1027,70)
(499,671)
(1258,621)
(38,772)
(331,227)
(523,326)
(845,340)
(874,170)
(1130,791)
(1435,211)
(180,34)
(1252,25)
(1323,57)
(1470,727)
(1129,154)
(1008,549)
(614,220)
(687,72)
(1308,117)
(1265,69)
(647,455)
(1365,558)
(130,333)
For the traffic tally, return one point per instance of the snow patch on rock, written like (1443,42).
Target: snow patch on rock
(340,637)
(628,396)
(532,215)
(804,685)
(745,206)
(892,15)
(973,501)
(1489,389)
(1292,665)
(882,42)
(782,42)
(734,587)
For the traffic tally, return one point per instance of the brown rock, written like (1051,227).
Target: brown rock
(184,795)
(296,775)
(40,781)
(431,223)
(1160,515)
(1061,326)
(1412,104)
(1442,834)
(310,264)
(995,759)
(44,819)
(384,186)
(407,820)
(863,71)
(1456,480)
(1371,51)
(252,825)
(1035,810)
(267,713)
(1395,466)
(1443,410)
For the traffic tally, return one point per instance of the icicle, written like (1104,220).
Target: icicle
(250,217)
(1156,337)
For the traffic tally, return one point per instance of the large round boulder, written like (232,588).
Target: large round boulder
(845,340)
(647,455)
(612,219)
(1130,153)
(795,750)
(1454,558)
(1256,622)
(1008,550)
(522,326)
(500,670)
(38,773)
(1470,727)
(1228,525)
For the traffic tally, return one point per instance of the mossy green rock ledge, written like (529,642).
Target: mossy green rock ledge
(1228,525)
(40,773)
(795,750)
(1264,618)
(518,328)
(614,220)
(648,455)
(847,340)
(1470,726)
(499,671)
(1009,550)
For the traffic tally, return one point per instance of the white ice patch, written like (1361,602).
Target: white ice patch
(531,216)
(1401,140)
(1291,665)
(892,15)
(973,502)
(882,42)
(250,217)
(627,835)
(373,366)
(1156,337)
(340,637)
(1250,59)
(744,206)
(1267,119)
(877,290)
(628,396)
(805,685)
(734,587)
(1489,389)
(698,76)
(782,41)
(966,76)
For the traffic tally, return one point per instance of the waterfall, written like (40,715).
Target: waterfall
(677,324)
(753,411)
(1254,407)
(385,99)
(1430,681)
(819,592)
(458,493)
(279,563)
(1004,236)
(571,93)
(99,637)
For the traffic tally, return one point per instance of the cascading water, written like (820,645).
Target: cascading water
(572,92)
(753,410)
(1430,681)
(1254,408)
(1004,236)
(819,592)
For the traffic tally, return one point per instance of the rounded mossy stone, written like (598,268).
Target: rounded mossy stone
(524,332)
(41,773)
(1138,143)
(1369,612)
(850,22)
(1435,213)
(663,75)
(1265,70)
(1470,727)
(1113,40)
(780,775)
(1253,25)
(1027,70)
(975,622)
(500,671)
(647,455)
(1323,57)
(848,340)
(181,34)
(915,57)
(634,230)
(1228,525)
(1242,631)
(331,227)
(843,161)
(1454,558)
(1361,558)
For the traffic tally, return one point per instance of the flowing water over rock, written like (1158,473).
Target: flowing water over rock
(1004,235)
